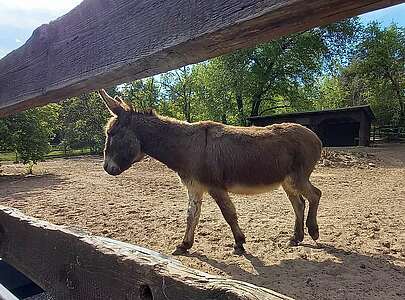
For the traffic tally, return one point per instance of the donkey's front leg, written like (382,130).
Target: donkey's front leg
(195,194)
(228,210)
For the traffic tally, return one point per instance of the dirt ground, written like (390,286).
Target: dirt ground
(360,254)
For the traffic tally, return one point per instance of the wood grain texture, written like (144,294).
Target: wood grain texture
(105,42)
(70,264)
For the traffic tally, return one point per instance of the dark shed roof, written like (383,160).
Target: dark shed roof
(365,108)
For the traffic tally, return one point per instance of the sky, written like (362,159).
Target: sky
(19,18)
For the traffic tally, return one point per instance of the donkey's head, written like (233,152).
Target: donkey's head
(122,147)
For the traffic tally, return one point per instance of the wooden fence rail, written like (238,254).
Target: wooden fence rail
(102,42)
(70,264)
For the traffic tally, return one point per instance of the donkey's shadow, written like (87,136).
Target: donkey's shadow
(348,275)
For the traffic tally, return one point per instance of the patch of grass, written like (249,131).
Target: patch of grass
(55,153)
(7,156)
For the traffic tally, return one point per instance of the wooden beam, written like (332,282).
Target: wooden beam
(70,264)
(103,42)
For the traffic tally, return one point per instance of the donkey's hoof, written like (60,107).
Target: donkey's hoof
(180,250)
(238,250)
(293,242)
(313,232)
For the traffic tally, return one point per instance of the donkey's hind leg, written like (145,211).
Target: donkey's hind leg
(313,195)
(195,195)
(298,203)
(228,210)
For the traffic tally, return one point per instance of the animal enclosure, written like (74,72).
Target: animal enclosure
(127,41)
(361,248)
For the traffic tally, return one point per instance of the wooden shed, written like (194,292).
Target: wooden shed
(348,126)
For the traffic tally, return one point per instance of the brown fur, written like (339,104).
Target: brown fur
(216,158)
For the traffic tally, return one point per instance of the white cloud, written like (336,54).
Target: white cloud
(50,5)
(19,18)
(33,13)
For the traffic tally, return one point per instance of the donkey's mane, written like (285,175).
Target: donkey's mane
(150,113)
(145,112)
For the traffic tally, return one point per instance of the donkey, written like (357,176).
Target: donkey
(213,158)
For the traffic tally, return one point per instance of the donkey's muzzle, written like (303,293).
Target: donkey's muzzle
(112,169)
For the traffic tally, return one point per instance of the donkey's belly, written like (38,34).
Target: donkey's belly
(252,189)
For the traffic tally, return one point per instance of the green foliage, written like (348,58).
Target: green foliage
(213,92)
(381,62)
(375,76)
(6,135)
(82,122)
(178,87)
(329,94)
(143,94)
(273,77)
(29,133)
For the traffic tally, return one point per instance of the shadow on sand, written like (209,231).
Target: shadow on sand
(347,275)
(14,187)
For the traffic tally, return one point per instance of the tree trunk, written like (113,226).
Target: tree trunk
(399,98)
(239,102)
(257,98)
(186,110)
(255,105)
(223,119)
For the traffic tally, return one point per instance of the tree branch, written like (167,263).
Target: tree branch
(273,108)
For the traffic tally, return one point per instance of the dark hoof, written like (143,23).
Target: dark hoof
(180,250)
(296,239)
(293,242)
(313,232)
(238,250)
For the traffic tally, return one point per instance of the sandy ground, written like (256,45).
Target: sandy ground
(360,254)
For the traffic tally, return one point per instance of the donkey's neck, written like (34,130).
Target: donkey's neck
(164,139)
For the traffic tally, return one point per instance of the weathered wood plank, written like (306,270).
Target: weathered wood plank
(70,264)
(104,42)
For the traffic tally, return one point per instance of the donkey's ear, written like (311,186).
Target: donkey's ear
(118,98)
(112,104)
(125,105)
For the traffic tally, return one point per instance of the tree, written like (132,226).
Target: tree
(143,94)
(83,119)
(214,97)
(6,136)
(375,75)
(276,76)
(178,87)
(381,61)
(28,133)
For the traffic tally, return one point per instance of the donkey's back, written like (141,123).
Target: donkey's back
(256,159)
